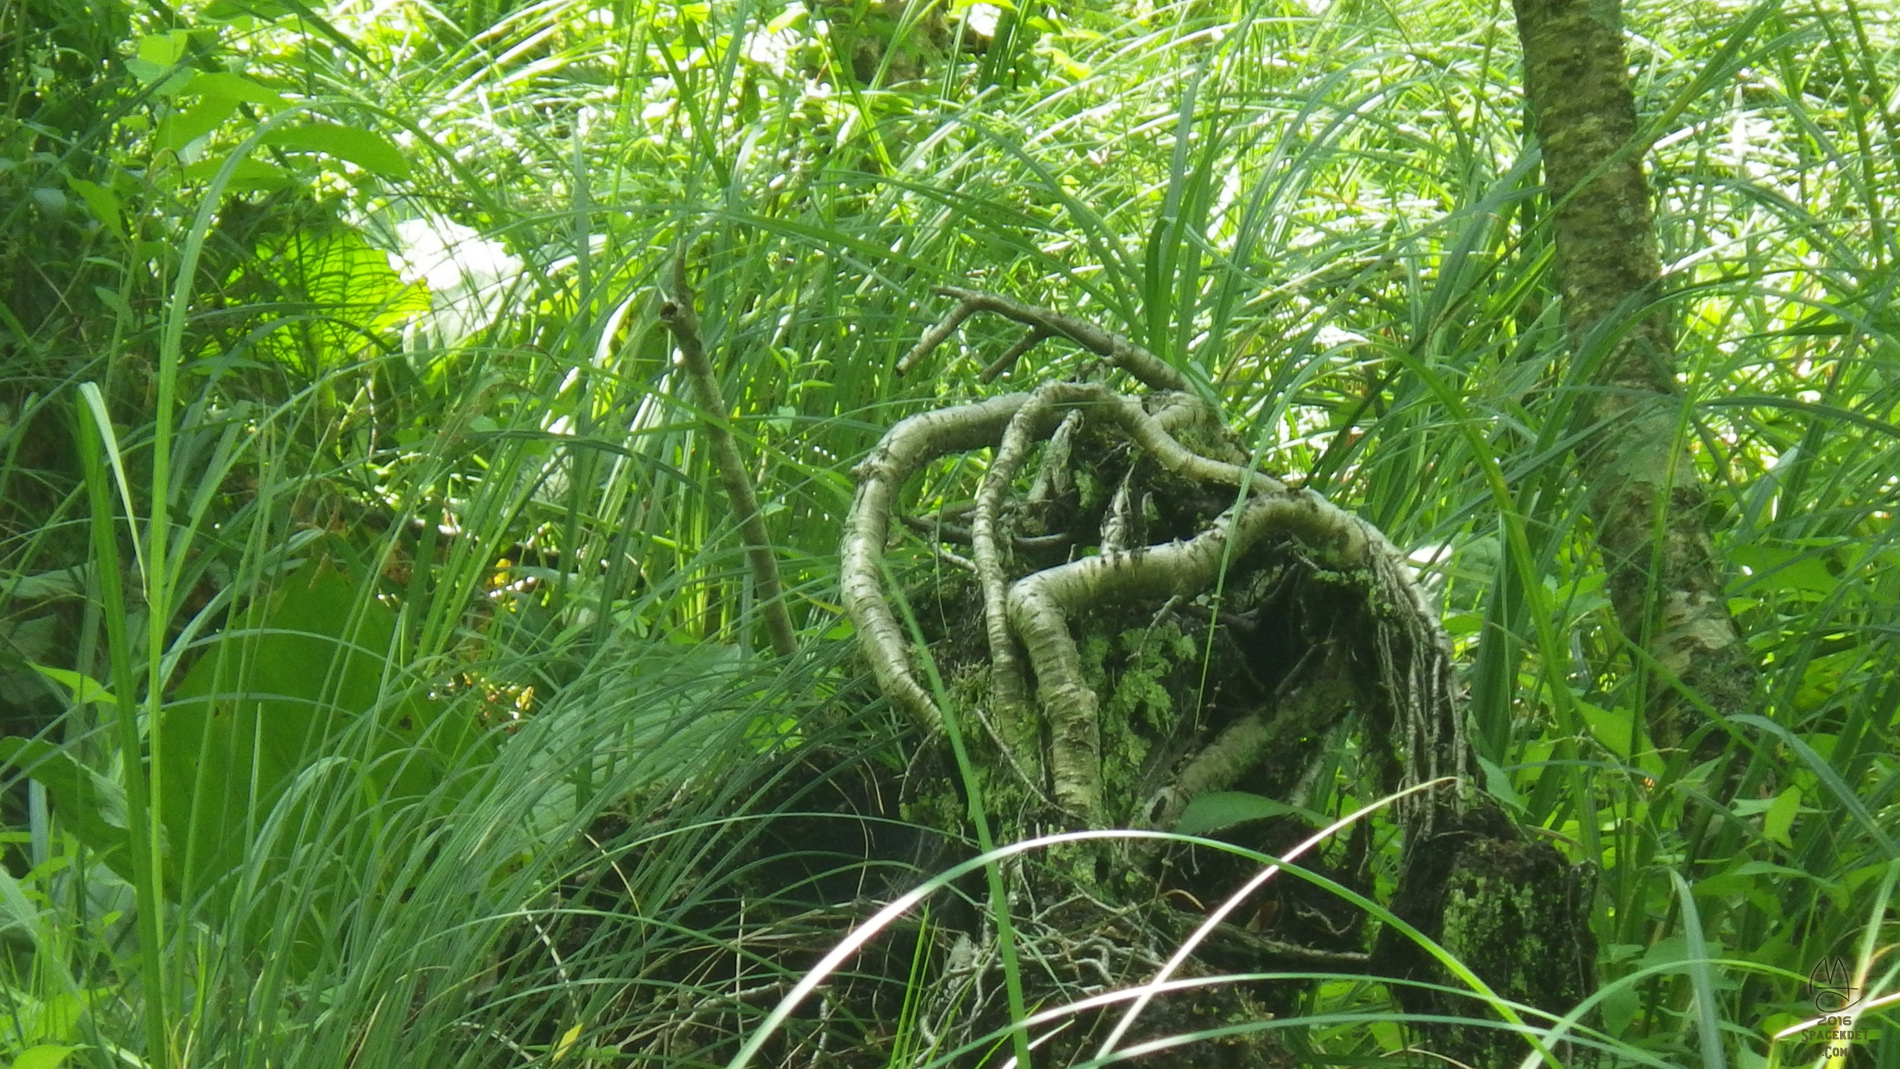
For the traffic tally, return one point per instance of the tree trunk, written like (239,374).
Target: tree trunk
(1646,501)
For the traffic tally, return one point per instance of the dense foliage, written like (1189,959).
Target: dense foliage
(360,547)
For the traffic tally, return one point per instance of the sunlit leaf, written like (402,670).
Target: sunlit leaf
(1611,727)
(84,689)
(228,85)
(43,1056)
(365,148)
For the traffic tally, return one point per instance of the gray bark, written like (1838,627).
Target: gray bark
(1646,501)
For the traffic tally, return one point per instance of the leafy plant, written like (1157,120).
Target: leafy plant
(1323,218)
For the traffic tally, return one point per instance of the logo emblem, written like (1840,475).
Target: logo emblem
(1831,986)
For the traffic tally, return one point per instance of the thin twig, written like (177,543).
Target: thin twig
(958,534)
(676,313)
(1145,366)
(1002,364)
(935,336)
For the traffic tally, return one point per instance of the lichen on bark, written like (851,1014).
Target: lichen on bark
(1646,498)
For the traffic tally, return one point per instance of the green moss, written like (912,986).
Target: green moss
(1153,657)
(1146,677)
(1518,918)
(1093,649)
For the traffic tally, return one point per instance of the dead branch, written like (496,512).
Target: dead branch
(676,313)
(1147,368)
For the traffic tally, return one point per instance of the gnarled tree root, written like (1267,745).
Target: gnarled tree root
(1183,526)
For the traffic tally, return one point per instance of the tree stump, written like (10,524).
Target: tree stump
(1132,626)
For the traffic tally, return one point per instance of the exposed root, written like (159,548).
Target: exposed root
(1027,614)
(1155,623)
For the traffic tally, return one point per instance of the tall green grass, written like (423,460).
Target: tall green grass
(1326,215)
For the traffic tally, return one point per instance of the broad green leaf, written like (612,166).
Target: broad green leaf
(1795,571)
(250,175)
(227,10)
(1676,948)
(228,85)
(181,128)
(59,1016)
(1753,876)
(84,689)
(1224,809)
(51,201)
(1651,764)
(1780,817)
(368,150)
(1620,1006)
(62,582)
(350,288)
(163,49)
(89,805)
(44,1056)
(111,299)
(1498,783)
(103,203)
(1611,727)
(297,696)
(157,59)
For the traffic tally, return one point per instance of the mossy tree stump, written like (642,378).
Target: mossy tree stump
(1136,627)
